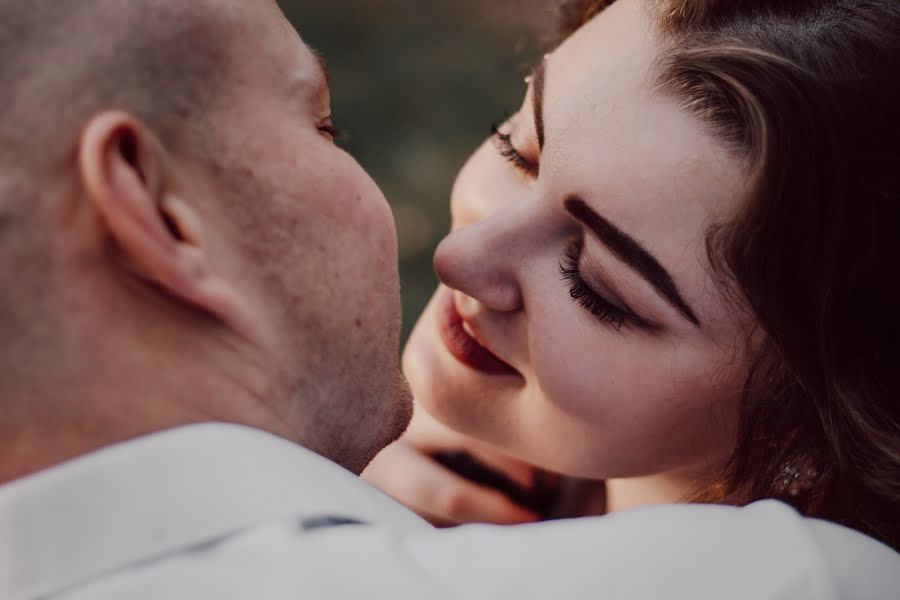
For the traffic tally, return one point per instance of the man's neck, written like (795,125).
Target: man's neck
(117,394)
(31,449)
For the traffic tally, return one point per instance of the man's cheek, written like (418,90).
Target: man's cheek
(372,217)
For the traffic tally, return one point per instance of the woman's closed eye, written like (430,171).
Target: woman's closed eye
(506,149)
(597,305)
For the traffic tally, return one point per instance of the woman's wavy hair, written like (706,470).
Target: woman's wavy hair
(808,93)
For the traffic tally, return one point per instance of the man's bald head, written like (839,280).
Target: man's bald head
(63,60)
(184,240)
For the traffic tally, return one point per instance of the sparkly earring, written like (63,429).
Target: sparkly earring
(796,478)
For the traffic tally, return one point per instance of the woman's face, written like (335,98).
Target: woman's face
(578,326)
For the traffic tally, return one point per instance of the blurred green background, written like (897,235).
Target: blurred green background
(417,85)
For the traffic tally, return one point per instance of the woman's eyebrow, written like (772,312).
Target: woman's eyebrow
(538,81)
(630,251)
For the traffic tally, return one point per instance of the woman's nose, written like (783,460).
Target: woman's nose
(481,260)
(482,189)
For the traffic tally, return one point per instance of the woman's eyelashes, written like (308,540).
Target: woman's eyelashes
(503,144)
(579,290)
(593,302)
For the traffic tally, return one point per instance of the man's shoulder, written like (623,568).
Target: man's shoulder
(225,512)
(764,551)
(165,495)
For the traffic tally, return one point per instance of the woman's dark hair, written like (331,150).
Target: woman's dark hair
(808,93)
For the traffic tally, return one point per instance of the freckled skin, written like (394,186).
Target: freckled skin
(323,248)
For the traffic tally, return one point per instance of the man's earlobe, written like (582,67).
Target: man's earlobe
(159,237)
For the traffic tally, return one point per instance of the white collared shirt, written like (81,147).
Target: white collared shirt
(224,512)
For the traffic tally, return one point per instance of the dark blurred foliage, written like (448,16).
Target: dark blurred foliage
(417,85)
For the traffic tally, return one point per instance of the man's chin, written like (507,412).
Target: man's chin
(404,402)
(385,423)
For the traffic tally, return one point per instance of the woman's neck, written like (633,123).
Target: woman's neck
(625,494)
(662,488)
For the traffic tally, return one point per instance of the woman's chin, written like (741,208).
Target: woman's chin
(448,390)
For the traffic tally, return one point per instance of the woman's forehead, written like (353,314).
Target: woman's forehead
(636,156)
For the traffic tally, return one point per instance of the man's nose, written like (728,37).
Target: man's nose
(482,260)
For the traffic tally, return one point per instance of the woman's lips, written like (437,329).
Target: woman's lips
(462,345)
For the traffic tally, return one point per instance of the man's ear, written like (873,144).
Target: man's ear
(126,174)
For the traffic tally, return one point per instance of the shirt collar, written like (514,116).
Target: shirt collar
(172,490)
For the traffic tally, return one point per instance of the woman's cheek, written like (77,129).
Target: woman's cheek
(595,374)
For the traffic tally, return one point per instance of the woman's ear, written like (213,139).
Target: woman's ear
(126,175)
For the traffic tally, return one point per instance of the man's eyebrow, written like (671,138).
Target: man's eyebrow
(320,60)
(630,251)
(538,81)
